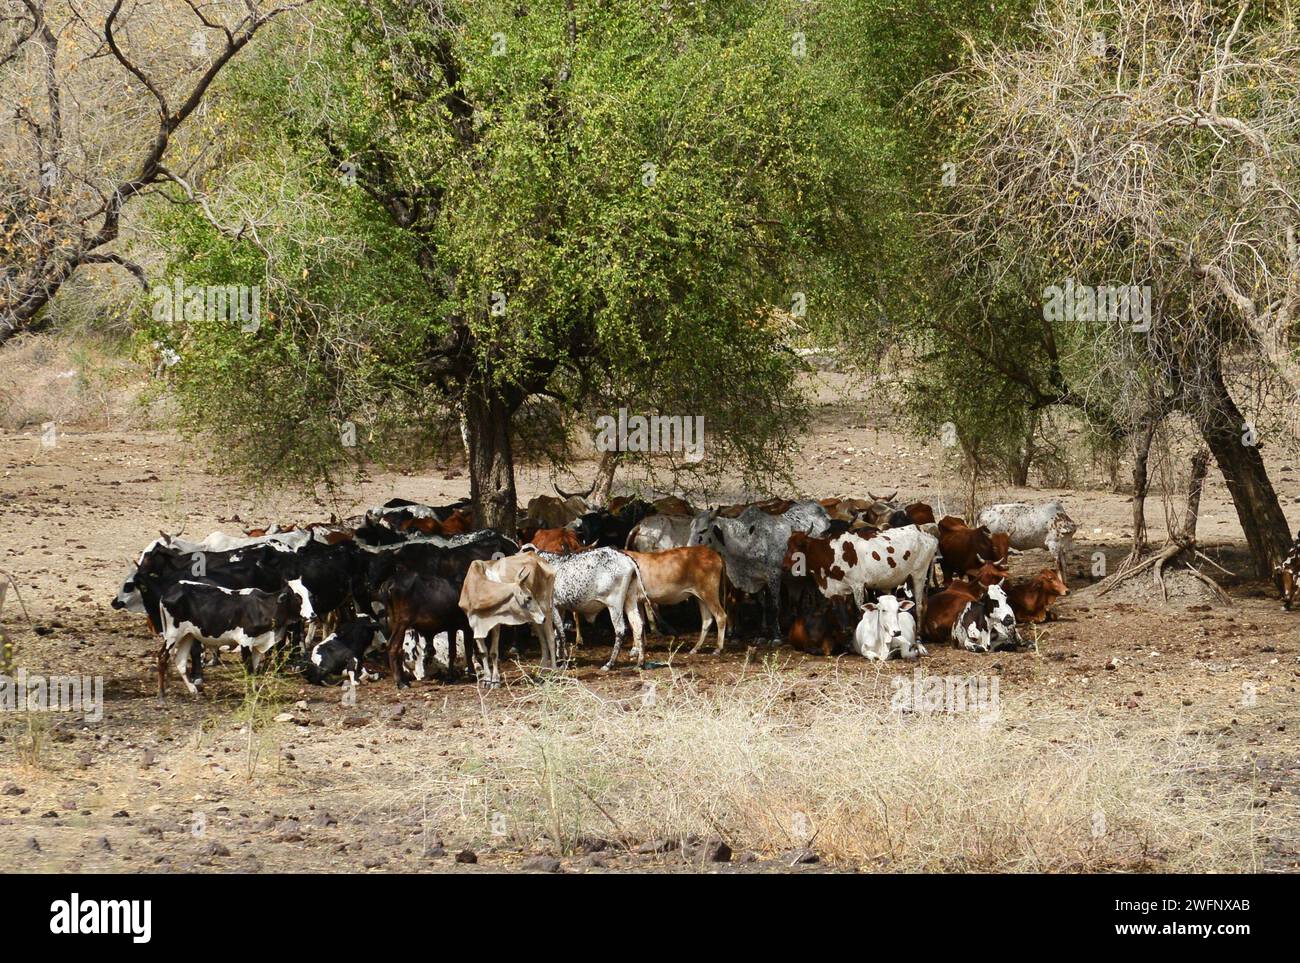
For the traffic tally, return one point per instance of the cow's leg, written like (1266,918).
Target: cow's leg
(632,611)
(494,659)
(558,642)
(181,659)
(196,664)
(616,618)
(162,669)
(772,612)
(706,621)
(395,667)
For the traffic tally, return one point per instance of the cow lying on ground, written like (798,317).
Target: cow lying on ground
(826,628)
(1033,526)
(249,619)
(342,653)
(887,628)
(986,624)
(674,575)
(1032,600)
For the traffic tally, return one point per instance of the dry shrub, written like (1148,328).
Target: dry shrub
(771,766)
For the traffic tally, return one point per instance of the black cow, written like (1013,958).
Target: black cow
(604,529)
(428,605)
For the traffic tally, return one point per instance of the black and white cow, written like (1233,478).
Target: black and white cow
(213,616)
(1286,574)
(342,653)
(986,625)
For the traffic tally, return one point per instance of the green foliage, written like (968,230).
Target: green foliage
(638,191)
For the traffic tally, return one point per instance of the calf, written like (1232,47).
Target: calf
(677,574)
(824,629)
(887,628)
(342,652)
(509,591)
(1033,526)
(600,580)
(1032,600)
(427,605)
(214,616)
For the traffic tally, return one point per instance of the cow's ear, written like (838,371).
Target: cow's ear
(717,532)
(869,607)
(905,605)
(523,574)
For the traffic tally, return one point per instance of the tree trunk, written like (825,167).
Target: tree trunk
(1141,479)
(1242,465)
(1195,485)
(491,461)
(599,497)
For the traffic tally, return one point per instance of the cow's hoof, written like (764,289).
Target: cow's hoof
(607,666)
(777,643)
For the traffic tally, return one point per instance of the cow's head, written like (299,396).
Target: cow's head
(988,573)
(524,602)
(128,596)
(1286,576)
(705,531)
(1051,581)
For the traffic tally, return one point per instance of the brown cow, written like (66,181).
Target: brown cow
(942,609)
(1031,600)
(920,513)
(458,522)
(559,541)
(990,573)
(672,505)
(676,574)
(962,548)
(827,629)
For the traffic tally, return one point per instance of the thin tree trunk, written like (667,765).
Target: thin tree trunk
(599,497)
(1243,470)
(1141,481)
(1195,485)
(491,460)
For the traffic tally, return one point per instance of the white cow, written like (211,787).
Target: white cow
(655,533)
(1033,526)
(887,628)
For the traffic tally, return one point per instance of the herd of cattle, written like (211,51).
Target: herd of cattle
(869,576)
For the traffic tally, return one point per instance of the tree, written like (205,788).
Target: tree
(94,105)
(521,217)
(1148,149)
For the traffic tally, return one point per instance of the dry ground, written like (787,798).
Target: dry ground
(390,783)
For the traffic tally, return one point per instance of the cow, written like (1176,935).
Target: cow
(458,522)
(986,624)
(1033,526)
(850,564)
(826,628)
(919,513)
(560,541)
(595,581)
(428,605)
(962,548)
(213,616)
(610,529)
(508,591)
(322,576)
(676,574)
(655,533)
(1033,599)
(752,547)
(1286,575)
(887,628)
(807,516)
(879,511)
(548,511)
(942,609)
(341,653)
(990,573)
(672,505)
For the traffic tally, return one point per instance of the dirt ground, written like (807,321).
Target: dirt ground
(166,786)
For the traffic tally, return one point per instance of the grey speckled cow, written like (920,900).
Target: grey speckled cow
(1033,526)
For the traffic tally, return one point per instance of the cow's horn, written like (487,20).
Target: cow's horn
(563,494)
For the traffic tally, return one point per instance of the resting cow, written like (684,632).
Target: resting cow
(1032,600)
(887,628)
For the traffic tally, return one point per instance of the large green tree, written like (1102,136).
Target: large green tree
(522,214)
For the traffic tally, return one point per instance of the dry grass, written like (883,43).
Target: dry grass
(771,767)
(78,381)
